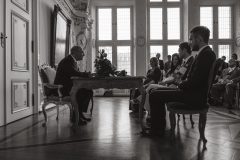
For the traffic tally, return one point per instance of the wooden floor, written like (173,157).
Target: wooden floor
(114,133)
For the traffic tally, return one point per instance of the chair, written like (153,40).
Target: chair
(173,108)
(51,92)
(190,116)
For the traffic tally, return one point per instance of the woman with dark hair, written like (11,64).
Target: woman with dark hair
(235,57)
(172,73)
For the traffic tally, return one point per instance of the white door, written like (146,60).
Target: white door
(18,56)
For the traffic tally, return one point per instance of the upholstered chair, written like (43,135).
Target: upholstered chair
(51,92)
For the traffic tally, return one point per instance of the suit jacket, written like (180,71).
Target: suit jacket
(187,65)
(67,68)
(197,79)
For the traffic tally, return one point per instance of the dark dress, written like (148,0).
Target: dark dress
(153,75)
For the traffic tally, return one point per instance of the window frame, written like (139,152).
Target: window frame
(216,41)
(114,42)
(164,42)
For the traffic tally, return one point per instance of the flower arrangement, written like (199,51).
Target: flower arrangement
(104,68)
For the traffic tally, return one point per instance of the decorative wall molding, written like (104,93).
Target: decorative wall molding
(20,95)
(65,7)
(19,32)
(22,4)
(79,15)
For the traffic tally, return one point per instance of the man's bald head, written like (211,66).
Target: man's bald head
(77,53)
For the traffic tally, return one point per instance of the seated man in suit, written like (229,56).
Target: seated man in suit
(68,68)
(230,76)
(192,91)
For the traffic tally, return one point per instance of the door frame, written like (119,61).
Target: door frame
(35,51)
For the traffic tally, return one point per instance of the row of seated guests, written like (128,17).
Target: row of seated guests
(224,87)
(222,64)
(193,91)
(180,66)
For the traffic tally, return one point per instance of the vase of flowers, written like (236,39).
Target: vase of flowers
(104,67)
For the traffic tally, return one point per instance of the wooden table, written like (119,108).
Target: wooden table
(106,83)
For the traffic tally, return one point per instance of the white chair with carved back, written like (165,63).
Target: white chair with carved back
(51,92)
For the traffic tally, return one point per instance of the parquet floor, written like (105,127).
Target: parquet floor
(114,133)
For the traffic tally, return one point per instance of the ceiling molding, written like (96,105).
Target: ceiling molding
(77,12)
(80,18)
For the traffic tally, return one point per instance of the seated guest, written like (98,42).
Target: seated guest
(153,76)
(219,69)
(172,73)
(185,54)
(160,62)
(229,75)
(194,90)
(68,68)
(182,71)
(230,92)
(224,65)
(167,64)
(235,57)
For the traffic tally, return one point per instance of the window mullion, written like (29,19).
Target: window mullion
(165,31)
(114,35)
(215,23)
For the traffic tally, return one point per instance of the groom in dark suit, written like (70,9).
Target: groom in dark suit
(68,68)
(194,90)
